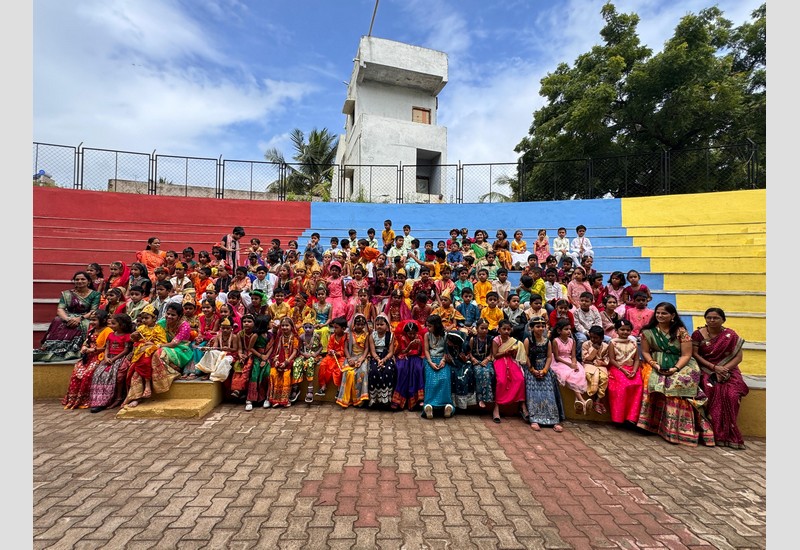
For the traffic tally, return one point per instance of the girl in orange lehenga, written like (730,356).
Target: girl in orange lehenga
(282,356)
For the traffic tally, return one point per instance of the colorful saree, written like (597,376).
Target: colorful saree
(62,342)
(724,395)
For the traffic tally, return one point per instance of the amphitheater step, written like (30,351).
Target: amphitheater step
(168,408)
(755,227)
(698,251)
(750,326)
(708,264)
(715,281)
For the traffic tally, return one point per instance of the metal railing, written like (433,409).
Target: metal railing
(718,168)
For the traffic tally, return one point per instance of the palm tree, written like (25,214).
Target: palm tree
(313,173)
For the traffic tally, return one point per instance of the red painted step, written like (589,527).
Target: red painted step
(114,241)
(44,312)
(50,288)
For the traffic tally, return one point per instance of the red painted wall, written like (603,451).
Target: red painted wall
(88,205)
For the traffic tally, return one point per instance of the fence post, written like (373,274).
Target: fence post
(220,175)
(152,189)
(460,183)
(400,183)
(78,182)
(752,163)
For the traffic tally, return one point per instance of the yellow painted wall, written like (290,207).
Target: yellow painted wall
(729,206)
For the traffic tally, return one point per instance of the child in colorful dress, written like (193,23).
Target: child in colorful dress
(382,375)
(336,292)
(519,251)
(438,365)
(595,360)
(284,351)
(569,371)
(147,340)
(639,315)
(410,388)
(541,385)
(108,388)
(509,354)
(330,367)
(309,353)
(501,249)
(354,388)
(238,377)
(634,286)
(396,309)
(479,354)
(624,382)
(92,353)
(256,368)
(615,287)
(541,246)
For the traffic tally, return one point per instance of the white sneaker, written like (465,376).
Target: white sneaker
(428,409)
(248,406)
(266,403)
(448,410)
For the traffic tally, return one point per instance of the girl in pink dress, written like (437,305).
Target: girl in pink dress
(508,353)
(624,380)
(541,247)
(569,371)
(355,284)
(615,288)
(335,286)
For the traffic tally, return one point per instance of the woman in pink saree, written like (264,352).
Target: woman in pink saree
(718,350)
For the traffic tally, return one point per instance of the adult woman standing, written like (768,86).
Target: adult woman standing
(152,256)
(718,350)
(672,402)
(67,332)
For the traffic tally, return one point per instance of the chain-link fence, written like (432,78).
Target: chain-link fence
(720,168)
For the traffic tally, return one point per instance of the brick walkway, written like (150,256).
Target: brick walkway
(322,477)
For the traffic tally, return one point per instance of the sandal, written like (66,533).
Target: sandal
(321,391)
(248,406)
(310,397)
(587,406)
(496,419)
(535,427)
(579,407)
(599,408)
(558,428)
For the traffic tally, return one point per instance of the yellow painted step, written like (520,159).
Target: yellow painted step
(739,303)
(754,362)
(706,265)
(752,419)
(715,281)
(695,239)
(670,210)
(742,230)
(749,251)
(752,329)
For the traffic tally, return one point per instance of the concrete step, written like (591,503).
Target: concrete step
(754,227)
(707,240)
(715,281)
(699,251)
(168,408)
(707,264)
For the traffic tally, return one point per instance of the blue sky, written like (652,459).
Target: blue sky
(232,78)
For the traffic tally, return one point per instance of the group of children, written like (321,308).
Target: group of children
(390,325)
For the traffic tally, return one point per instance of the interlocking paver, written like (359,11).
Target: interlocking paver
(294,478)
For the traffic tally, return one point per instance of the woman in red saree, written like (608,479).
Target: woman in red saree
(152,256)
(718,350)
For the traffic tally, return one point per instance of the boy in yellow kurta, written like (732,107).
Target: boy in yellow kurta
(491,312)
(482,287)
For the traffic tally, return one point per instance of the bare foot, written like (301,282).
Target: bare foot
(535,427)
(132,404)
(558,428)
(481,404)
(147,393)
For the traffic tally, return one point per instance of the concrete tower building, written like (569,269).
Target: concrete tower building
(392,147)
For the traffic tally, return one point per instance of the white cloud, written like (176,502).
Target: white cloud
(144,75)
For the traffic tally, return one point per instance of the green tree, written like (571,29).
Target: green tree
(706,88)
(313,173)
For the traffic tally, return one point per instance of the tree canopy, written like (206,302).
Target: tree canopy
(313,172)
(705,89)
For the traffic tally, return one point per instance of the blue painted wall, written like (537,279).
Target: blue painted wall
(528,216)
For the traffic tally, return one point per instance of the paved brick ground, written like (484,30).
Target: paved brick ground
(322,477)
